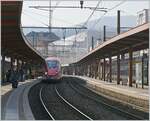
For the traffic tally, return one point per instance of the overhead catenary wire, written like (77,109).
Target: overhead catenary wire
(35,19)
(57,3)
(92,13)
(57,19)
(108,12)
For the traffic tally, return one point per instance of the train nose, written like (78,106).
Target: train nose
(53,72)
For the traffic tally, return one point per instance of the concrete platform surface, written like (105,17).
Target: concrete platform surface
(15,105)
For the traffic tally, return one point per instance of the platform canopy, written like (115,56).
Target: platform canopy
(13,42)
(135,39)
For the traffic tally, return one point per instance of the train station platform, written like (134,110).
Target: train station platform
(136,97)
(14,102)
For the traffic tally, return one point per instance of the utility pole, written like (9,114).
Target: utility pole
(118,22)
(92,42)
(104,33)
(50,16)
(118,56)
(76,45)
(33,39)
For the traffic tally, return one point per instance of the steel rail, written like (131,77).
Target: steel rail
(43,104)
(71,105)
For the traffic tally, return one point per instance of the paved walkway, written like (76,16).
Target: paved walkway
(132,91)
(12,101)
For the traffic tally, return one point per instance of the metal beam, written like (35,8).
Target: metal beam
(68,7)
(54,27)
(84,0)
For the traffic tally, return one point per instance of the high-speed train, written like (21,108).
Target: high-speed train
(52,69)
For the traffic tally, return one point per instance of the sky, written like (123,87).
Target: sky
(72,17)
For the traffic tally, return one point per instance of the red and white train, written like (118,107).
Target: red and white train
(52,69)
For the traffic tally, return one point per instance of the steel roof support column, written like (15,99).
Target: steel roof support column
(17,64)
(30,71)
(11,62)
(75,69)
(3,68)
(130,67)
(79,70)
(99,69)
(101,77)
(22,71)
(88,73)
(104,69)
(118,69)
(95,69)
(92,69)
(82,69)
(86,69)
(142,72)
(97,64)
(102,72)
(110,69)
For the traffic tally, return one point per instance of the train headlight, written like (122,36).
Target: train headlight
(45,73)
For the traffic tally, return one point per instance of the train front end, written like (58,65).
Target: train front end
(53,69)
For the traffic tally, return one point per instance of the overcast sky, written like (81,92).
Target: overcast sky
(71,17)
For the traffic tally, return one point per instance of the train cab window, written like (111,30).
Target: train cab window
(53,64)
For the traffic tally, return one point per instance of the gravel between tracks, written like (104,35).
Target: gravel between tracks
(36,106)
(57,107)
(124,107)
(60,111)
(90,107)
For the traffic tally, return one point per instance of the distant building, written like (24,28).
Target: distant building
(40,40)
(143,16)
(42,47)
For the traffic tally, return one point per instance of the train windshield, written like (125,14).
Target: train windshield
(53,64)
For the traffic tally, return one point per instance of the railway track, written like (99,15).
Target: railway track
(57,107)
(77,87)
(42,102)
(69,100)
